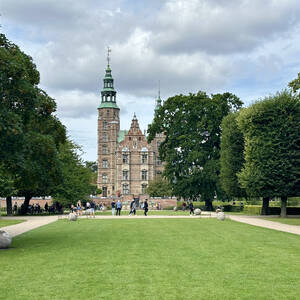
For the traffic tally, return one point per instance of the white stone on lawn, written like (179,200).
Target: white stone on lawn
(72,217)
(5,239)
(221,216)
(175,208)
(197,211)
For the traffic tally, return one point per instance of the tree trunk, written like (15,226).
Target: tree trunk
(208,205)
(9,206)
(283,206)
(265,206)
(26,204)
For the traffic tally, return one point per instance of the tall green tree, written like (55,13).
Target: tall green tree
(30,134)
(76,183)
(232,156)
(159,187)
(191,149)
(272,147)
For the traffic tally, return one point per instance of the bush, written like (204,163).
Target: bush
(169,208)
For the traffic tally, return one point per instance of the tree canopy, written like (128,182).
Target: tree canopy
(232,156)
(272,147)
(191,149)
(159,187)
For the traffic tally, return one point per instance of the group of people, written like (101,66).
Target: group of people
(89,209)
(117,206)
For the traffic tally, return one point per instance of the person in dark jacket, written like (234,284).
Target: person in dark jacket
(145,207)
(191,207)
(113,206)
(132,208)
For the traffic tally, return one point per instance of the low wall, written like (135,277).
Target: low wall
(20,201)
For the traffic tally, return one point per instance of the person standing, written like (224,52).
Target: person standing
(132,208)
(119,207)
(191,207)
(145,207)
(92,209)
(113,205)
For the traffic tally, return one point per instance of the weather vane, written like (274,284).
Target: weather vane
(108,51)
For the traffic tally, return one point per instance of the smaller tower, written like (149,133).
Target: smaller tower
(157,101)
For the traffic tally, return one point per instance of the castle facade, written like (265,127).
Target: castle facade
(126,162)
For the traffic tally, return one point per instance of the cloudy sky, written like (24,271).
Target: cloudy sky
(248,47)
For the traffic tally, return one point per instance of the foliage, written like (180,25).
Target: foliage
(159,187)
(30,134)
(191,149)
(76,177)
(295,84)
(232,156)
(272,146)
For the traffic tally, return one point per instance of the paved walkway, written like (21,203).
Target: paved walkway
(33,222)
(266,224)
(29,224)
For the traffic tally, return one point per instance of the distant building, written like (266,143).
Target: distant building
(126,162)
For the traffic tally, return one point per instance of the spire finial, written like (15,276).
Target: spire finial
(108,58)
(158,89)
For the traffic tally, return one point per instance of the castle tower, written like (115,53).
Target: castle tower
(108,130)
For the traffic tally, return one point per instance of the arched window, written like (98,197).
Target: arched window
(104,125)
(144,158)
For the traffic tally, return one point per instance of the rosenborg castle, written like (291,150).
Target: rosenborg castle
(126,162)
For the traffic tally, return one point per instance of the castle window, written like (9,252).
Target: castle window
(104,137)
(158,144)
(125,187)
(104,149)
(104,178)
(144,158)
(144,175)
(104,163)
(107,112)
(125,158)
(104,191)
(140,138)
(125,175)
(144,187)
(104,125)
(158,173)
(158,162)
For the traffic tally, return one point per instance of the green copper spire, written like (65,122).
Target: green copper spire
(108,93)
(158,100)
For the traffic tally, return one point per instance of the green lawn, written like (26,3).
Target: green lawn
(151,259)
(290,221)
(150,212)
(4,223)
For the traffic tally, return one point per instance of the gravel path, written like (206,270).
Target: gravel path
(33,222)
(266,224)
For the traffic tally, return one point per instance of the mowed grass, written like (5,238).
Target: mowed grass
(4,223)
(289,221)
(151,259)
(150,213)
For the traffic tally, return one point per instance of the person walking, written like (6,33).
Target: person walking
(92,209)
(132,208)
(119,207)
(191,207)
(145,207)
(113,206)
